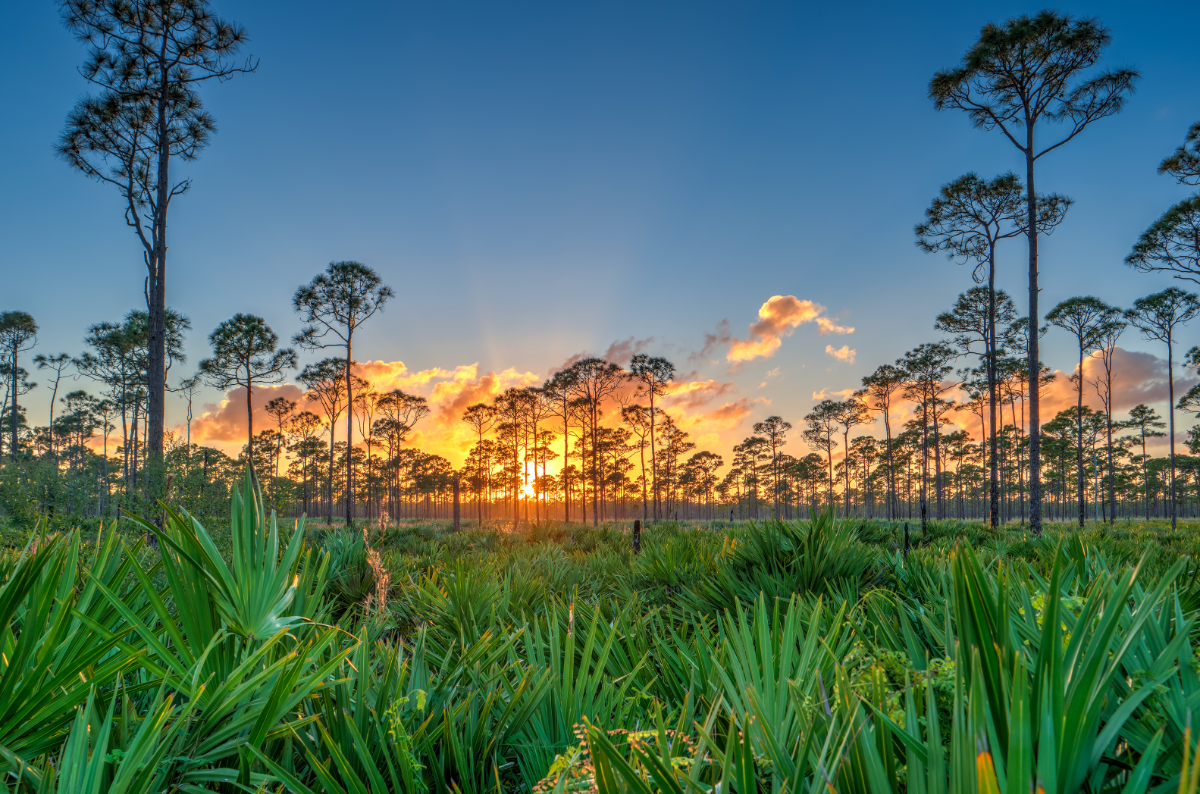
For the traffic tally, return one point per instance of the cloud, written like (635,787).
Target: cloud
(387,375)
(619,352)
(695,394)
(1138,378)
(449,392)
(721,336)
(844,353)
(828,326)
(727,417)
(777,318)
(825,394)
(225,422)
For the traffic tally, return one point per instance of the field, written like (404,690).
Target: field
(772,656)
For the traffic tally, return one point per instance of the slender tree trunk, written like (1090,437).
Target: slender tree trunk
(595,467)
(250,425)
(1112,480)
(642,455)
(653,459)
(1021,467)
(131,487)
(1171,419)
(937,459)
(12,417)
(1035,445)
(829,453)
(1079,436)
(846,466)
(329,505)
(349,430)
(924,462)
(993,456)
(566,480)
(157,287)
(893,508)
(456,516)
(50,429)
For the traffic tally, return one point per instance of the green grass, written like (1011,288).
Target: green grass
(770,656)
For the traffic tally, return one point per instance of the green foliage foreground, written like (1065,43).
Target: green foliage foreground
(814,656)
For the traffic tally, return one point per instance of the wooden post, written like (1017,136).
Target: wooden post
(457,512)
(637,536)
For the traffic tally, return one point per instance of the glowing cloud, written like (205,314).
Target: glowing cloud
(845,353)
(777,318)
(449,393)
(694,394)
(224,424)
(1137,378)
(729,416)
(825,394)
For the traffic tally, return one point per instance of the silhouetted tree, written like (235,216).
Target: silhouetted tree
(1184,162)
(926,368)
(652,375)
(1149,425)
(774,430)
(877,391)
(1017,78)
(279,409)
(1085,318)
(1172,243)
(1106,343)
(147,60)
(637,419)
(18,333)
(1157,316)
(57,363)
(245,352)
(851,412)
(561,391)
(480,417)
(967,220)
(973,322)
(596,381)
(188,388)
(326,383)
(822,424)
(337,302)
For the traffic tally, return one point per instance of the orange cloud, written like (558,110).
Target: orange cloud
(694,394)
(728,417)
(224,424)
(844,353)
(1138,379)
(449,392)
(777,318)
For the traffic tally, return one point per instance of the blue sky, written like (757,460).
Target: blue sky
(537,179)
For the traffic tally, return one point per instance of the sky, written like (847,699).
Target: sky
(732,186)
